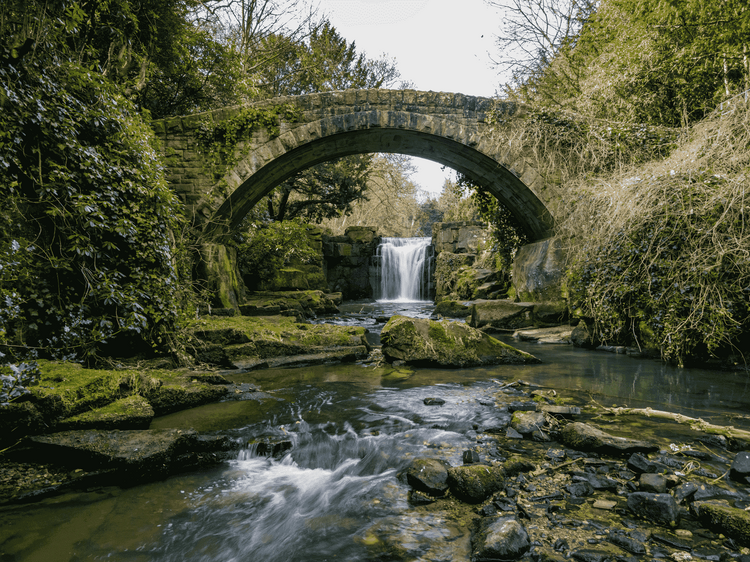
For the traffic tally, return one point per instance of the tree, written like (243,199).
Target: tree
(323,191)
(391,202)
(534,32)
(325,62)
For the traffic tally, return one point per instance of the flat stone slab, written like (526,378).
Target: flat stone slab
(554,335)
(140,454)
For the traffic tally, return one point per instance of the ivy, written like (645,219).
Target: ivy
(219,141)
(87,254)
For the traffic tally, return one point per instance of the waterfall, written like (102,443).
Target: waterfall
(404,269)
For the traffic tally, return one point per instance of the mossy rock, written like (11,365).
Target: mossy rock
(447,344)
(173,397)
(475,483)
(731,521)
(133,412)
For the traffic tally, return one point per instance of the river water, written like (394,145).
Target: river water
(336,495)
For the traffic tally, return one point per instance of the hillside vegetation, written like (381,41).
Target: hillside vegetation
(641,124)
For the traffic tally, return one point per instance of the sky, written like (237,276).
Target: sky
(438,45)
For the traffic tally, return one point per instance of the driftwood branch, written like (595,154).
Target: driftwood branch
(694,423)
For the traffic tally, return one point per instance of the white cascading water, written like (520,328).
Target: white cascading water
(402,269)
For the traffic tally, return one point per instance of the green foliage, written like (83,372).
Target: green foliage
(677,275)
(507,235)
(219,140)
(325,191)
(86,249)
(262,250)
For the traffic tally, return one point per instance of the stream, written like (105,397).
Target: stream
(336,494)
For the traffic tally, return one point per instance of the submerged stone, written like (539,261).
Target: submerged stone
(429,476)
(447,344)
(500,538)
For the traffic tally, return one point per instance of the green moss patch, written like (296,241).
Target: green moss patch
(447,344)
(274,336)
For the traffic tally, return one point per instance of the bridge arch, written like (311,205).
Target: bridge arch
(451,129)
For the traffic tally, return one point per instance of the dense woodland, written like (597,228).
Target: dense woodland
(95,256)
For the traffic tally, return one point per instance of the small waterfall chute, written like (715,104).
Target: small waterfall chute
(404,269)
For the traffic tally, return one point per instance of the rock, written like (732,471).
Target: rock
(640,464)
(685,491)
(538,271)
(585,437)
(557,334)
(625,542)
(659,508)
(168,398)
(499,538)
(217,267)
(133,412)
(271,447)
(213,354)
(580,489)
(451,309)
(429,476)
(549,314)
(134,455)
(740,468)
(489,290)
(656,483)
(475,483)
(470,457)
(583,336)
(501,315)
(731,521)
(447,344)
(528,422)
(433,401)
(517,465)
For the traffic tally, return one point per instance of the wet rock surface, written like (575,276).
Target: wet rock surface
(592,495)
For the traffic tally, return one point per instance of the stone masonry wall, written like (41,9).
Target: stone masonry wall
(348,260)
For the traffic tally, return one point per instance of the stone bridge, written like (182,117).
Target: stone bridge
(452,129)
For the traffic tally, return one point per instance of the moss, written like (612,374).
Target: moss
(733,522)
(445,343)
(274,336)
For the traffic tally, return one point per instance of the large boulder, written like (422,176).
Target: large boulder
(447,344)
(539,270)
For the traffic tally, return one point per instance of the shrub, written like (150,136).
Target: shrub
(86,248)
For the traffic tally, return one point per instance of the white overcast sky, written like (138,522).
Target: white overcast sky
(439,45)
